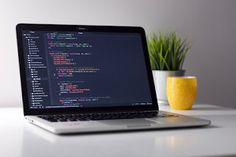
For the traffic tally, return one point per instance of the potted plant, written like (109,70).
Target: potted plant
(167,54)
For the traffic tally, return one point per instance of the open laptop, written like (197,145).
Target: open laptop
(81,79)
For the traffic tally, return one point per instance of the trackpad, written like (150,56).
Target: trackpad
(141,122)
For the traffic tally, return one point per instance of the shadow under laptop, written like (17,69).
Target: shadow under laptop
(38,142)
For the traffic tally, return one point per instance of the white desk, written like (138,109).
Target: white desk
(18,138)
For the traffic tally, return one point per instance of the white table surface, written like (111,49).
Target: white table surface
(19,138)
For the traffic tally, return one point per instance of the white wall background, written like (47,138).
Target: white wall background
(209,24)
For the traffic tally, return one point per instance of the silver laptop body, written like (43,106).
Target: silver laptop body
(83,79)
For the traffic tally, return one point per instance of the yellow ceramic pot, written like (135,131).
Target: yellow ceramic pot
(181,92)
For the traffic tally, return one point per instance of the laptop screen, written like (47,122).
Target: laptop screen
(84,69)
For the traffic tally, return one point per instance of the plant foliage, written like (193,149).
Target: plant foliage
(167,51)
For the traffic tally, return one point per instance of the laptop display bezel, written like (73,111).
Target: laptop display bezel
(50,27)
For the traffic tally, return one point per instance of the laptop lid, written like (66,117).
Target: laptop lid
(79,68)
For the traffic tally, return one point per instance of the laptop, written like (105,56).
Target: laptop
(83,79)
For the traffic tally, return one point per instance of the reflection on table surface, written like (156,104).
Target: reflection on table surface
(38,142)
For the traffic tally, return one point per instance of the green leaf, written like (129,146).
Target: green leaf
(167,51)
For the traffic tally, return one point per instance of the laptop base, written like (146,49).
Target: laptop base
(92,126)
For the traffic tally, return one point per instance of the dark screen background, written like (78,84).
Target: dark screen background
(85,69)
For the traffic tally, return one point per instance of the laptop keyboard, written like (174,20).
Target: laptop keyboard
(102,116)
